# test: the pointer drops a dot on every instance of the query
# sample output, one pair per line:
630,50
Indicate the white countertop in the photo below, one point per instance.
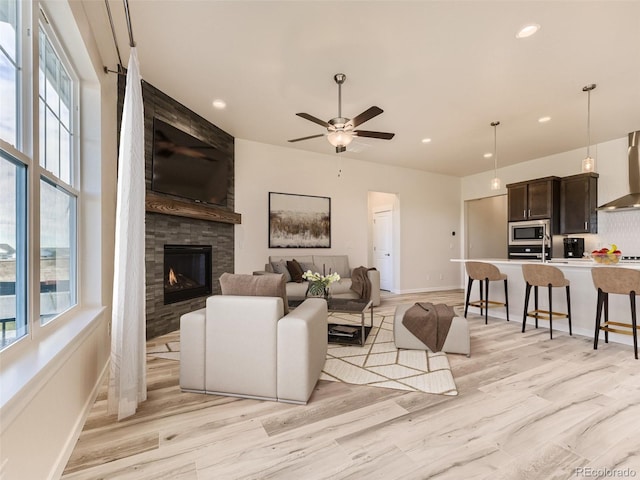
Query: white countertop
556,262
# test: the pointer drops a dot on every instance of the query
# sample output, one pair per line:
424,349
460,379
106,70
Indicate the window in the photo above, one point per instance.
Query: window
57,200
38,270
55,112
9,71
13,251
57,250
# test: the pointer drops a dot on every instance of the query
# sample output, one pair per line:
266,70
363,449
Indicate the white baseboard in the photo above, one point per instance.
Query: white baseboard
429,289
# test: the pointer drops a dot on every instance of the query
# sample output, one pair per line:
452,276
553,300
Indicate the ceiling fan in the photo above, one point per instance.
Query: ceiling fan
340,130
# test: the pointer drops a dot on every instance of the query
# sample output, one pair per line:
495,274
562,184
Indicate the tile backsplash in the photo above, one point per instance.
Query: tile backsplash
621,228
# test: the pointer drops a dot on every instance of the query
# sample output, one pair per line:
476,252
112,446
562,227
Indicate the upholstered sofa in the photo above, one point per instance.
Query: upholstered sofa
246,346
323,264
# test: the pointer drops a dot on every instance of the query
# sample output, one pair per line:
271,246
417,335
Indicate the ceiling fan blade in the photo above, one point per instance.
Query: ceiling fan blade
366,115
380,135
306,138
313,119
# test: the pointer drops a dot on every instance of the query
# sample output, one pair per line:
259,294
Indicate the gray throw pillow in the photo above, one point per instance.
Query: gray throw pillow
310,266
280,266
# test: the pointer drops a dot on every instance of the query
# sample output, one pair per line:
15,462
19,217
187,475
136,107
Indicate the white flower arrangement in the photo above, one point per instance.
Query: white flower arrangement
319,283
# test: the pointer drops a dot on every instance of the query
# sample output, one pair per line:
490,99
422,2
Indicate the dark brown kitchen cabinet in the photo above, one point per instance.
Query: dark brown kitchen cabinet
578,204
534,199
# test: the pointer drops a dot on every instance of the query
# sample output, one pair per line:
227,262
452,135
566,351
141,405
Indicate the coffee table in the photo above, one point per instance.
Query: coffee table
346,305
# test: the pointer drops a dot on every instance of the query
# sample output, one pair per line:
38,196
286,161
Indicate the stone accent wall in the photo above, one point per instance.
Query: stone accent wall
168,229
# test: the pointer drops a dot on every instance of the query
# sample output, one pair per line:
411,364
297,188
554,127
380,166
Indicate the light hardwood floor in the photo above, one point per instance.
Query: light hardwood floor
528,408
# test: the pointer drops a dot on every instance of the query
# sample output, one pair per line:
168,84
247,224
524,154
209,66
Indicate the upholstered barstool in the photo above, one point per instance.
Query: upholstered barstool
622,281
485,272
544,276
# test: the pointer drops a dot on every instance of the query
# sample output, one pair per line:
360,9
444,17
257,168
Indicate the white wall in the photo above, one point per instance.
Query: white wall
430,207
622,228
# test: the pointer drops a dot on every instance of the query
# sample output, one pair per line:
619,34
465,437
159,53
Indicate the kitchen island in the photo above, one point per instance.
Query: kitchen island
584,296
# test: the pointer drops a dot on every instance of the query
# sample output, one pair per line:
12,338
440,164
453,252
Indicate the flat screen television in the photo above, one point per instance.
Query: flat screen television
187,167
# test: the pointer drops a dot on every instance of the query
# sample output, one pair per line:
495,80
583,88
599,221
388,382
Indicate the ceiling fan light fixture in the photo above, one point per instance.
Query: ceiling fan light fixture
340,138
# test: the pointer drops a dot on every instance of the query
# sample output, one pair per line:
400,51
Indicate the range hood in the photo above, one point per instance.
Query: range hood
631,201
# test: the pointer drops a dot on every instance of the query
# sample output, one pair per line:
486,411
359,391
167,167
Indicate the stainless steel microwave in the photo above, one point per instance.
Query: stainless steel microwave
530,232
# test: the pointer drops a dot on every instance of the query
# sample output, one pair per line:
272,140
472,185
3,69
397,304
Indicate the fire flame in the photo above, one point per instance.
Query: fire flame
172,277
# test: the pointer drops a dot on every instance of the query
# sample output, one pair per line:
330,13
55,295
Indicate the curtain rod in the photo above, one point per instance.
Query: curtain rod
126,11
132,44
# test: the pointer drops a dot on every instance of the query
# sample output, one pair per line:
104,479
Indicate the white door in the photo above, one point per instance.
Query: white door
382,247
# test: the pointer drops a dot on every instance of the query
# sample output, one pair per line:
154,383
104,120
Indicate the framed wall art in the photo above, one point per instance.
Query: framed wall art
299,221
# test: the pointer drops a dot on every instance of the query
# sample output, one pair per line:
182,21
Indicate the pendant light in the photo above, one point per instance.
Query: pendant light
495,182
588,164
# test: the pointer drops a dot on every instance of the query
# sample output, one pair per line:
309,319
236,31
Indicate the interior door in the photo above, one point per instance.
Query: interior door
382,247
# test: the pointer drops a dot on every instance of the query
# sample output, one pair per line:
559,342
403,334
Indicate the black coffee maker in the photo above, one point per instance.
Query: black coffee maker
573,247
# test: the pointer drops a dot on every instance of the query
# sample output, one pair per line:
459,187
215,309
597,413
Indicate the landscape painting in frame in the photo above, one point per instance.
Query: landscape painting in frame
299,221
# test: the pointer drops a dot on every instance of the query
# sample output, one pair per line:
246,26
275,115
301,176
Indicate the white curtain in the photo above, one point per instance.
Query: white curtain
127,380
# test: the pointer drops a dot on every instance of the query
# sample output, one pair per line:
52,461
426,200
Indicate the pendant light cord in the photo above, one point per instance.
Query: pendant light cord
588,122
495,148
588,89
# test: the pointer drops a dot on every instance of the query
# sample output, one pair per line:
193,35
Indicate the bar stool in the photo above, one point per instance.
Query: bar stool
544,276
616,280
486,272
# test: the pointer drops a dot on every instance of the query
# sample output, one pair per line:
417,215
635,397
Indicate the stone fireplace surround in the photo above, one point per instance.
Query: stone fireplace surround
164,229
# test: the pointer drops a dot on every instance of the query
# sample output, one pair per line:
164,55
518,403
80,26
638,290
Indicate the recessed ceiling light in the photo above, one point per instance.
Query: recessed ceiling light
528,30
426,140
219,104
488,155
544,119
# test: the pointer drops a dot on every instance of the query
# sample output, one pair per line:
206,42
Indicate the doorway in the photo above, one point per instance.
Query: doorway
486,227
383,250
383,247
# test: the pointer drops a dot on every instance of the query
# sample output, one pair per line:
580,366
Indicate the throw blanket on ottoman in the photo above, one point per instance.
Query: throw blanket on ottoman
429,323
360,282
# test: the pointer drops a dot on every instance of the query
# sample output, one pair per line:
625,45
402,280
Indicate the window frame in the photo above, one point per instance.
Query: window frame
39,172
32,18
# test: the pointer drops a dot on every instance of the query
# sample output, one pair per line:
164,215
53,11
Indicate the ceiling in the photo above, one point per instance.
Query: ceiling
442,70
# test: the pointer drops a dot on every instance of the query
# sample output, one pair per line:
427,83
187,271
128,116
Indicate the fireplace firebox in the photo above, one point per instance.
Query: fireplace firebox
187,272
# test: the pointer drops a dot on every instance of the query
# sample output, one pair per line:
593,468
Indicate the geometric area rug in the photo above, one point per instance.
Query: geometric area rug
380,364
377,364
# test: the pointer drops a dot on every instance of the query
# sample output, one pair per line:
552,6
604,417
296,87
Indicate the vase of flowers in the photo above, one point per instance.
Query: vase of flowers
319,284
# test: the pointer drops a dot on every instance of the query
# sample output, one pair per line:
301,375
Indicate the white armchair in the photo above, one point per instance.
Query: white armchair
245,346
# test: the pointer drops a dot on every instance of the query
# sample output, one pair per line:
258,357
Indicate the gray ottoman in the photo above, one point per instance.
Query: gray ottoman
457,340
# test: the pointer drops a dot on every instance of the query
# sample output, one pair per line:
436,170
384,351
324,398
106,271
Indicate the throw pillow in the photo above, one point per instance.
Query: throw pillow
280,266
295,270
269,285
310,266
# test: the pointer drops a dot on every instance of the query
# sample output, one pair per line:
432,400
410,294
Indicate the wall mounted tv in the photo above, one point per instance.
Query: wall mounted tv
187,167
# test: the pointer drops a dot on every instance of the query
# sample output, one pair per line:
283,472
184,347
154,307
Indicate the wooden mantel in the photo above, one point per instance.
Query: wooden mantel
182,208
